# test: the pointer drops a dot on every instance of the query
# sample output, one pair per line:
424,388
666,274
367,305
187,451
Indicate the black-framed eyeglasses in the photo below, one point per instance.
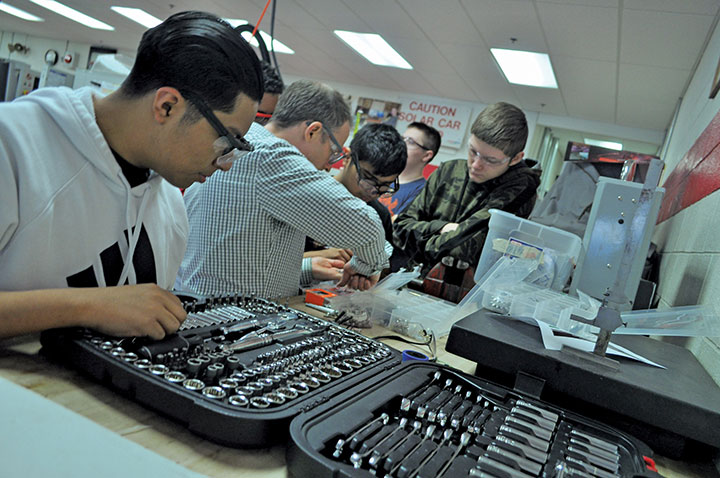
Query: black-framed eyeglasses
228,146
338,152
489,160
370,183
411,142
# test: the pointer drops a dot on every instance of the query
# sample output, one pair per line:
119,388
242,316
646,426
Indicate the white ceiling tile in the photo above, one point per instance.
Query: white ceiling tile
331,14
592,3
171,7
501,20
450,86
663,39
706,7
448,41
247,9
652,117
479,70
380,77
421,53
544,100
442,20
411,81
588,87
288,13
295,65
386,18
368,74
580,31
339,74
324,42
647,95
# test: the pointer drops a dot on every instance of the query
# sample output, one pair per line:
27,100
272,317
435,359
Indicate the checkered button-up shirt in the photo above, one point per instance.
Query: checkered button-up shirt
248,225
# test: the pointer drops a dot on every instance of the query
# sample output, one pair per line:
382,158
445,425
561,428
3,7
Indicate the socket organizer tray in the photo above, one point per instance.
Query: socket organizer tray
248,372
236,372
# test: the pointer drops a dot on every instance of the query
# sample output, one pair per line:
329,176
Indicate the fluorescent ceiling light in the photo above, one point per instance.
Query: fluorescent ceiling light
138,15
19,13
604,144
73,14
278,46
525,67
374,48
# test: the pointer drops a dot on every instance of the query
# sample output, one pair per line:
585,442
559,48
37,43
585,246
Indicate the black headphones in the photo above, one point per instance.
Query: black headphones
264,53
261,43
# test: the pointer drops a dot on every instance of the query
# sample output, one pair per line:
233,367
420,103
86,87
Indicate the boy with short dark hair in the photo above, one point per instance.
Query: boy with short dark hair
92,224
377,157
423,142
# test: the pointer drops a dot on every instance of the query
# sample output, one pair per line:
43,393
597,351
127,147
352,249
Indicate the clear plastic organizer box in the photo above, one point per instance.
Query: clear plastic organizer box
510,235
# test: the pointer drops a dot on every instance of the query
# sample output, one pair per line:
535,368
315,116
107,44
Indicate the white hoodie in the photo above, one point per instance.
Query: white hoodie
66,207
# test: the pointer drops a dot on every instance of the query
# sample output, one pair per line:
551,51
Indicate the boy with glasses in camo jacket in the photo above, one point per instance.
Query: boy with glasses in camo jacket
448,220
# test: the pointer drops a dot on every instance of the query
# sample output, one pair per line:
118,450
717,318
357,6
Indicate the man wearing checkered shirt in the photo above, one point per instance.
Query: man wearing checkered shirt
248,225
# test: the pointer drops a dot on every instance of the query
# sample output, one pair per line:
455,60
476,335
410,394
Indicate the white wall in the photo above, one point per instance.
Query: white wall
38,46
690,268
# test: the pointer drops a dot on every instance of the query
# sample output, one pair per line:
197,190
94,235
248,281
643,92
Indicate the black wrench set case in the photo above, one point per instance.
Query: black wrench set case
675,409
248,372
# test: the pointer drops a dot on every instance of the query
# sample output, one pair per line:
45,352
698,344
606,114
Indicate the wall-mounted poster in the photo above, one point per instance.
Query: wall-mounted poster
370,110
451,119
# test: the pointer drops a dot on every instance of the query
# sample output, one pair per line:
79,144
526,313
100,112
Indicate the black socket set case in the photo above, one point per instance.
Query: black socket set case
248,372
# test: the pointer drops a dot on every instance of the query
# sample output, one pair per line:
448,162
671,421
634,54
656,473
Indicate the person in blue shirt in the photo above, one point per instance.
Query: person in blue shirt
423,143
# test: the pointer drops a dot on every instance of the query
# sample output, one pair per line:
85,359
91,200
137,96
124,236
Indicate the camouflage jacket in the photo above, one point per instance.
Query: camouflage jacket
449,196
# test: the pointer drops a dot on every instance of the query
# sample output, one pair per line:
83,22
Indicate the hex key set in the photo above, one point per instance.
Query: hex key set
424,421
236,372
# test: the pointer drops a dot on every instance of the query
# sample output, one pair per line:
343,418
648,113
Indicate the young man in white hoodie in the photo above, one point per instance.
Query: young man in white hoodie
90,205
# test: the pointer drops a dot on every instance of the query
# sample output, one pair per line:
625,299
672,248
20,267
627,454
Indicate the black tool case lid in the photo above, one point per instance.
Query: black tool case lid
216,420
313,432
674,410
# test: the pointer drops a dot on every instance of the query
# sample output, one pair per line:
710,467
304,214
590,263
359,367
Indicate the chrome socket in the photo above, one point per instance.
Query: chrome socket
238,400
194,384
175,376
214,393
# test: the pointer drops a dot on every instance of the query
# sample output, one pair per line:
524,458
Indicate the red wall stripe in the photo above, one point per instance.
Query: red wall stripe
696,175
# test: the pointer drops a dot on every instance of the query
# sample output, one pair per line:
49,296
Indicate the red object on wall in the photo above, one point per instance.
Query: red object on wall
696,175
